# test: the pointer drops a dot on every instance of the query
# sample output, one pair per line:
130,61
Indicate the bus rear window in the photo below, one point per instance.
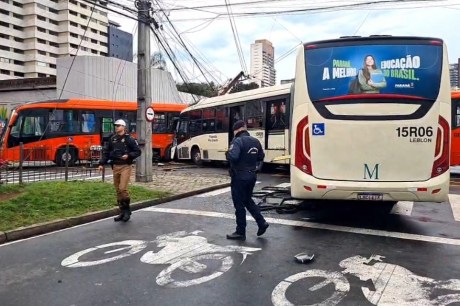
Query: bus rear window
402,69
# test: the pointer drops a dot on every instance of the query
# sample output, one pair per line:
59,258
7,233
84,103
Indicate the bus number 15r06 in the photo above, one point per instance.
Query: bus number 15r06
414,131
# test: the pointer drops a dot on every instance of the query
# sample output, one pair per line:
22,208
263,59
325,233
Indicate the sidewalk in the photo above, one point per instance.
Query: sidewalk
180,179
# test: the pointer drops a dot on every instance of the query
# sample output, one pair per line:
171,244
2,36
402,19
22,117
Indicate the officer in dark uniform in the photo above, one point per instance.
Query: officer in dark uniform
245,154
120,152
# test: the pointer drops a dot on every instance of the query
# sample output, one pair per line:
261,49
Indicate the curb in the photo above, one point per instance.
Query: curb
48,227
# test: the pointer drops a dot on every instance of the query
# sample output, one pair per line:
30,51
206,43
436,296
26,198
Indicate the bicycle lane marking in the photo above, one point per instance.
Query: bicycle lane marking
180,250
337,228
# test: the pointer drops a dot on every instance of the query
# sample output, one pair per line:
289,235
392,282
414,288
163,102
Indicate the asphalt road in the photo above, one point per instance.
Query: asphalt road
177,254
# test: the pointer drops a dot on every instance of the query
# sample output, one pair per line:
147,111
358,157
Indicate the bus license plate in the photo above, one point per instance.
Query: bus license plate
370,196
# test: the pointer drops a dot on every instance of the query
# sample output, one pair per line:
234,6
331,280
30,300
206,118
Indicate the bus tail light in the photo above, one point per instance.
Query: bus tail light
302,147
441,154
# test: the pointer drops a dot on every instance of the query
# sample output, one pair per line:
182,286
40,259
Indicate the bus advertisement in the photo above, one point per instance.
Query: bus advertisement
45,128
371,120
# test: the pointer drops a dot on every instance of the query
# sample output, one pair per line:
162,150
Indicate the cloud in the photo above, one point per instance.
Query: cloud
215,42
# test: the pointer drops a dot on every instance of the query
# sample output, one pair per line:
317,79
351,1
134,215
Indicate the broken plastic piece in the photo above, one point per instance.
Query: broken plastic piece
304,257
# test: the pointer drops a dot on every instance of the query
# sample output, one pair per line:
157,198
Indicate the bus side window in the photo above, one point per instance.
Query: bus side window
195,123
173,119
15,129
33,126
63,122
222,119
276,115
88,122
254,115
183,127
159,124
457,113
107,125
209,120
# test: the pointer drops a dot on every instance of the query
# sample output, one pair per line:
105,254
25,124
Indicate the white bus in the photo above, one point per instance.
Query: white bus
371,120
204,130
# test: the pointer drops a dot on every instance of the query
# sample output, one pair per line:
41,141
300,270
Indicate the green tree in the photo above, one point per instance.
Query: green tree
200,89
242,87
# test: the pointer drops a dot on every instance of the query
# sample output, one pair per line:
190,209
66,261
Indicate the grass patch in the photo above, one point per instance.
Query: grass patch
46,201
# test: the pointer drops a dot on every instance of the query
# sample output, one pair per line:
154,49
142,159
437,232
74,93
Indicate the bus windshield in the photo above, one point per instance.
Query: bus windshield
407,68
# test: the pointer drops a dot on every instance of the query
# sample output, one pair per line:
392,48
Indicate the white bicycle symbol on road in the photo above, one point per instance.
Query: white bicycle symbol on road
392,284
181,250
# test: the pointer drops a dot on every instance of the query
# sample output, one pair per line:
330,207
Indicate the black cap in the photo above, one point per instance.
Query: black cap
238,125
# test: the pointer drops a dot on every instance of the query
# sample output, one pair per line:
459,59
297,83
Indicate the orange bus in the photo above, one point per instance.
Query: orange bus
455,138
45,127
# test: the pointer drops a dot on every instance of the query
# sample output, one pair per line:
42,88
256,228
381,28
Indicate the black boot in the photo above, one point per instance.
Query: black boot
120,216
126,210
236,236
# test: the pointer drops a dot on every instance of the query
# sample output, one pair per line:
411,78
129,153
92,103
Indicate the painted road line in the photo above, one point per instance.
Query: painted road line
403,208
454,200
217,192
284,185
337,228
214,193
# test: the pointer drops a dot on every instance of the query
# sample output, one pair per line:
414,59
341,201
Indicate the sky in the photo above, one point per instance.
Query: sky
209,37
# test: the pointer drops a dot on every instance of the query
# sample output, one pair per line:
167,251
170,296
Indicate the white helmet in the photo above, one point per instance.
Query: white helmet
120,122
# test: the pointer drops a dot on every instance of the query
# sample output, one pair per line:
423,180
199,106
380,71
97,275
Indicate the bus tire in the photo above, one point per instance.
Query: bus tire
61,157
168,154
196,156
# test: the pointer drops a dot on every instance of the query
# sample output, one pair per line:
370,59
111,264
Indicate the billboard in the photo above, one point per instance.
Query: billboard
413,70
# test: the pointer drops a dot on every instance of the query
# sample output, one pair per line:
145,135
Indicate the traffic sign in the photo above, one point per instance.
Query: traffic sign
149,114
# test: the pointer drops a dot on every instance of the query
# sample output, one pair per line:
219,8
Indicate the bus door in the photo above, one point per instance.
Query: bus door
276,128
107,129
236,113
455,139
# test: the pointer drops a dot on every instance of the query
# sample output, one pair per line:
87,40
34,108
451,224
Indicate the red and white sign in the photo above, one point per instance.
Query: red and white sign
149,114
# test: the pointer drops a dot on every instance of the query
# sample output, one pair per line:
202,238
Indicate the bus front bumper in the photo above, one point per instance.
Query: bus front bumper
304,186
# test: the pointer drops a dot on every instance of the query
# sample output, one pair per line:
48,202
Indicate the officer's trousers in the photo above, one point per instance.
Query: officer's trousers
121,176
242,200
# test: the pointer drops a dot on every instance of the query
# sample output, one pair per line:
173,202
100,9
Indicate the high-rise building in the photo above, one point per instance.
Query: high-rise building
120,42
263,63
453,69
33,33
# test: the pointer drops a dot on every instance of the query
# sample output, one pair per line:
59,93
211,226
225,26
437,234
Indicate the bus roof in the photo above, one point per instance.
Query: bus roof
98,104
363,39
241,96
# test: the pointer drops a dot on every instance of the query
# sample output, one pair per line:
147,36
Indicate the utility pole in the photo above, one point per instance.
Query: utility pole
144,96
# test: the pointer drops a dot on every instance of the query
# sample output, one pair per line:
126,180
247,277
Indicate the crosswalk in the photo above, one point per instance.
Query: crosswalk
30,176
403,208
454,200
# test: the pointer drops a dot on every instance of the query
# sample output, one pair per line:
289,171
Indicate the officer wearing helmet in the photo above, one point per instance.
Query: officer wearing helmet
120,152
245,156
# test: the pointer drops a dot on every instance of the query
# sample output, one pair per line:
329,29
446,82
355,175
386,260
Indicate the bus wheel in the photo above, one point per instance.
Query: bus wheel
196,156
61,157
168,154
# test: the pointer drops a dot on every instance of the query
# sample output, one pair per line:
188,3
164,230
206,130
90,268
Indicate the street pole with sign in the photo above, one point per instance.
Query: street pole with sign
143,127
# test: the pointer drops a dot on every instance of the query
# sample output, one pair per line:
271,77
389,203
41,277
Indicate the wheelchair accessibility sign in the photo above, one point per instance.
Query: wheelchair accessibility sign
318,129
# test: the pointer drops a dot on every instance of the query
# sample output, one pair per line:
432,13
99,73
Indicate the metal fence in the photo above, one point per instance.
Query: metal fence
34,165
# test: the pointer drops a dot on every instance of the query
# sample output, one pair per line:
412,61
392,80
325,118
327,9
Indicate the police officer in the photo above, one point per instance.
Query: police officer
120,152
245,154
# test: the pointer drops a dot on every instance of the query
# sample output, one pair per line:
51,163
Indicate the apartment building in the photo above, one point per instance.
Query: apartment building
453,70
263,63
34,33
